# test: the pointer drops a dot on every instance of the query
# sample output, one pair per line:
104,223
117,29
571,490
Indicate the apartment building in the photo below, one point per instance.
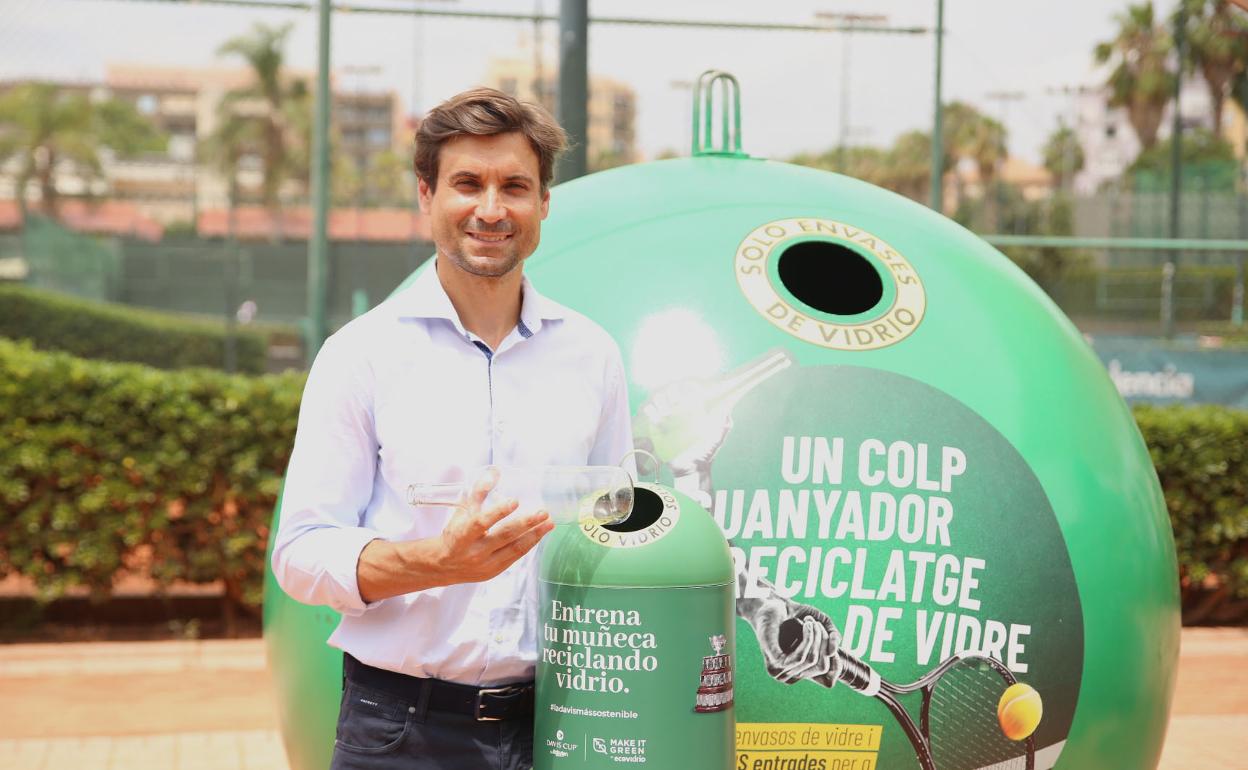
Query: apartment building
612,129
175,185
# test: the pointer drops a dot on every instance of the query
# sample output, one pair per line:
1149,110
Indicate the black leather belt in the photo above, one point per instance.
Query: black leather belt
485,704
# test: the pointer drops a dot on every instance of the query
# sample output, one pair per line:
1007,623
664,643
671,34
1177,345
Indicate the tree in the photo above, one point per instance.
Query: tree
391,179
347,181
1203,155
1239,92
977,137
1217,45
44,127
1048,266
861,162
270,118
1063,154
972,135
1141,81
908,165
902,168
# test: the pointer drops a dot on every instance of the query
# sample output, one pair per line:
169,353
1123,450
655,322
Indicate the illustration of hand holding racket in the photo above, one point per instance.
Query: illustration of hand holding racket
798,641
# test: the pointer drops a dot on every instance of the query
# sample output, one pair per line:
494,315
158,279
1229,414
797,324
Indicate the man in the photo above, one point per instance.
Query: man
468,367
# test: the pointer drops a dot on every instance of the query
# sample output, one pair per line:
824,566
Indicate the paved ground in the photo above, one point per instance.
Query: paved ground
209,706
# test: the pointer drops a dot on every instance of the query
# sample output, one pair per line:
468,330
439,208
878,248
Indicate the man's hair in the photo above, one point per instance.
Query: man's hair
487,112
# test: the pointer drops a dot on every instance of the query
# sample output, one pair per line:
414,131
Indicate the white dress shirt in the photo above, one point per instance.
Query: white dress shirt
403,395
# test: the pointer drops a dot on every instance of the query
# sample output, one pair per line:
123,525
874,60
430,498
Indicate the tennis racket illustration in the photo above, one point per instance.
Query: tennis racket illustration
963,716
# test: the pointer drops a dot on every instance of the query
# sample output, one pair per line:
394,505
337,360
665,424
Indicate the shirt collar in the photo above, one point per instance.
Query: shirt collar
426,298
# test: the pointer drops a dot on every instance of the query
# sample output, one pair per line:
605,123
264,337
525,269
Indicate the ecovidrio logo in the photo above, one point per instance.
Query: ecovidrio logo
829,283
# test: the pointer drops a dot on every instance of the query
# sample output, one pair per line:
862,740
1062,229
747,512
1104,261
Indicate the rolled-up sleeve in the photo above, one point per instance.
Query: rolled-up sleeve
329,483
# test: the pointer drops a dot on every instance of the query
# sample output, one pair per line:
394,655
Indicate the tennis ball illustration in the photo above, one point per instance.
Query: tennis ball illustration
1019,711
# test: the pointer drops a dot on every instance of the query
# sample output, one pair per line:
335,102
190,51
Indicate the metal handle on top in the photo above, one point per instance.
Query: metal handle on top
730,114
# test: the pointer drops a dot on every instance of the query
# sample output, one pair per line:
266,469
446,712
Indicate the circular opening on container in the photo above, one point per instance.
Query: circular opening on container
830,277
647,508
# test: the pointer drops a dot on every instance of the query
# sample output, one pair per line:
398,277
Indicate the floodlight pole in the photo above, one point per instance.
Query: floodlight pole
936,198
574,86
1176,172
853,19
318,240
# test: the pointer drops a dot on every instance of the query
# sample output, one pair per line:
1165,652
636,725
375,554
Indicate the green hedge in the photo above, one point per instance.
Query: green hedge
1201,456
106,465
118,333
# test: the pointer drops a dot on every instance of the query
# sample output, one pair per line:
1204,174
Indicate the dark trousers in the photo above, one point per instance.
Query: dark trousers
378,731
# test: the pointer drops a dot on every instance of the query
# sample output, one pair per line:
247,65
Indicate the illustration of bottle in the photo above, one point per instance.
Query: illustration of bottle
685,413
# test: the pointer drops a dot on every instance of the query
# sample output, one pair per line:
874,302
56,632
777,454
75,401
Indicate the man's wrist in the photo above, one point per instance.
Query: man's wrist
388,568
424,561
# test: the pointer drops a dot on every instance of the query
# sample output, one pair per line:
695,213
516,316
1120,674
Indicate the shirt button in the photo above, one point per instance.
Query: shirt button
500,638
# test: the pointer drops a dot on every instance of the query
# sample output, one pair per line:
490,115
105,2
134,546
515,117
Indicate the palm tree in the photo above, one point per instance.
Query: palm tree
225,147
270,117
1239,90
1141,81
973,135
861,162
908,165
45,127
1063,155
1217,38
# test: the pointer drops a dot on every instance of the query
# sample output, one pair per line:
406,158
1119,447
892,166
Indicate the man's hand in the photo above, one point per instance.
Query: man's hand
477,543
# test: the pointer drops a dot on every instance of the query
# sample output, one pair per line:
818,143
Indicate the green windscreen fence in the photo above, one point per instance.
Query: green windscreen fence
216,277
209,277
1109,288
64,261
1133,295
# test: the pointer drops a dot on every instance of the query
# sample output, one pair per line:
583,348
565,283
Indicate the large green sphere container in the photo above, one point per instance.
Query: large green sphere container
899,434
635,649
915,442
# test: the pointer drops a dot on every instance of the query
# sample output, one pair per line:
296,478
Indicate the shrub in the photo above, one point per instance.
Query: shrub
119,333
110,465
1201,456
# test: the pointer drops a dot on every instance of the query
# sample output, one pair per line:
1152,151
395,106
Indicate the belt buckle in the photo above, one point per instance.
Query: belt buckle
490,691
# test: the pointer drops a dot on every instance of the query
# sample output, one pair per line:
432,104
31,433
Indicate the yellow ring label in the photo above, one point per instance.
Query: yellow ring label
662,526
886,327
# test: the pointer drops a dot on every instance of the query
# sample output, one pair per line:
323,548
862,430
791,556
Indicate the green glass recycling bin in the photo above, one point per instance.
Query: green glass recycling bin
902,437
635,658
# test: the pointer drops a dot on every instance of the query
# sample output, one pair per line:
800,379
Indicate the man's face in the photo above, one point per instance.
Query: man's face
487,209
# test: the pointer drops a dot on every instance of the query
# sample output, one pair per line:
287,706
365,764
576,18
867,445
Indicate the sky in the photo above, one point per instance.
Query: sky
792,82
